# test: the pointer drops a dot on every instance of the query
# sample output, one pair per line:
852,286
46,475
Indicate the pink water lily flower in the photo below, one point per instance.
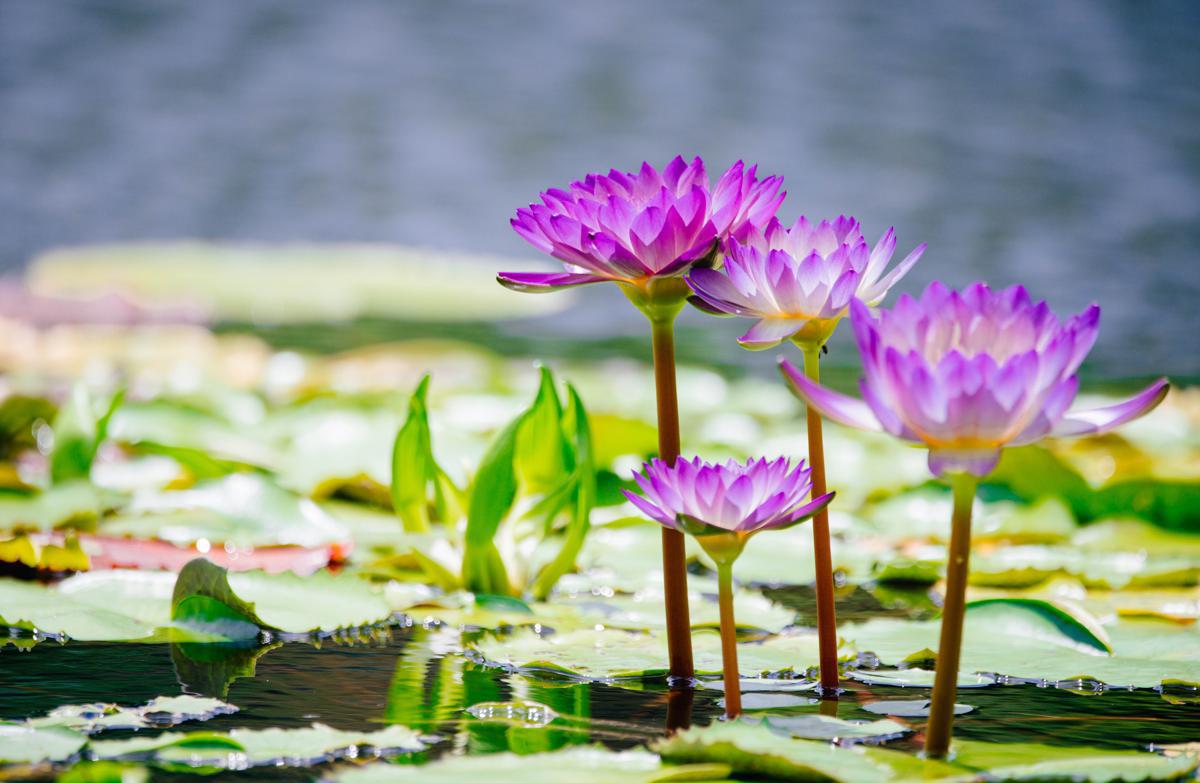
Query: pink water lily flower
968,373
798,282
710,500
632,227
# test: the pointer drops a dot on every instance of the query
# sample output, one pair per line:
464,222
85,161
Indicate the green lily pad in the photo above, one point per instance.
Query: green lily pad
909,708
590,654
331,446
341,282
1033,762
579,765
34,607
925,514
159,712
209,600
204,603
24,744
242,510
242,748
646,610
70,504
186,434
826,727
915,678
1145,653
1046,620
755,749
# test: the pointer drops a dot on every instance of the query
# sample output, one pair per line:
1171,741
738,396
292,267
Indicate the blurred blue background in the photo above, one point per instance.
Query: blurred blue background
1054,144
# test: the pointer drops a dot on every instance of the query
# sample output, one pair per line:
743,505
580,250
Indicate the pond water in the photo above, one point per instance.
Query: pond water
401,676
1047,143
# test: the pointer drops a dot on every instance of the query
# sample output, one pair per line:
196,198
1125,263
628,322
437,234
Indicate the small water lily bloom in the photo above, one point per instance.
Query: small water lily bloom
799,281
632,228
722,506
968,373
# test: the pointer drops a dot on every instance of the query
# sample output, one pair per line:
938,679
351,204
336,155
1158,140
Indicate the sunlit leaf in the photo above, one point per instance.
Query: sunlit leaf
79,429
416,487
241,748
579,765
24,744
591,654
755,749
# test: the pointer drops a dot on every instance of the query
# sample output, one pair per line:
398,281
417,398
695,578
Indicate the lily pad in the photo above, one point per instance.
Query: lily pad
188,435
242,748
826,727
48,610
242,510
159,712
579,765
1145,654
1033,762
925,514
73,503
342,282
590,654
21,743
909,708
209,600
755,749
915,678
645,609
204,603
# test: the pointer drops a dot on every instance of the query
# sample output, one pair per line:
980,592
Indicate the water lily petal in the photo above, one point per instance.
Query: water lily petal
832,405
977,462
770,332
541,282
1097,420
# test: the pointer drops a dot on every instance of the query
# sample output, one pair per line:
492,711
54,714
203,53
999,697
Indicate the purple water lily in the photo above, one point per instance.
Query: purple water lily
631,227
722,506
968,373
707,499
798,282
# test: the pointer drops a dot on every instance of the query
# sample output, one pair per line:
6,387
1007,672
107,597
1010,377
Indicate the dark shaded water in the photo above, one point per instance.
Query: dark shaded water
400,678
1050,143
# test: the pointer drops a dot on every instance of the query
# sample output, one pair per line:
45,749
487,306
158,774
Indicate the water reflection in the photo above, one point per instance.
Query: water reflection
408,677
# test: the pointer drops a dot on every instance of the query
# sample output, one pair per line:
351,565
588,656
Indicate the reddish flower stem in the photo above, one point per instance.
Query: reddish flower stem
679,627
826,613
945,682
729,661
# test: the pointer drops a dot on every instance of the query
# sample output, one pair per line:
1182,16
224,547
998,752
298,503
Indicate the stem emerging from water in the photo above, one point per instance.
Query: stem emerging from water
733,689
679,626
826,613
945,684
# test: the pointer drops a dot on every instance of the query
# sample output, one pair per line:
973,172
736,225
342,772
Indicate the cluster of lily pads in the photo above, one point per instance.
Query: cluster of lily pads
276,486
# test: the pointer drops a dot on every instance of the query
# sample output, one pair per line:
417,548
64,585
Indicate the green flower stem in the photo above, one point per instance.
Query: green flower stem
729,661
679,626
826,613
945,684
